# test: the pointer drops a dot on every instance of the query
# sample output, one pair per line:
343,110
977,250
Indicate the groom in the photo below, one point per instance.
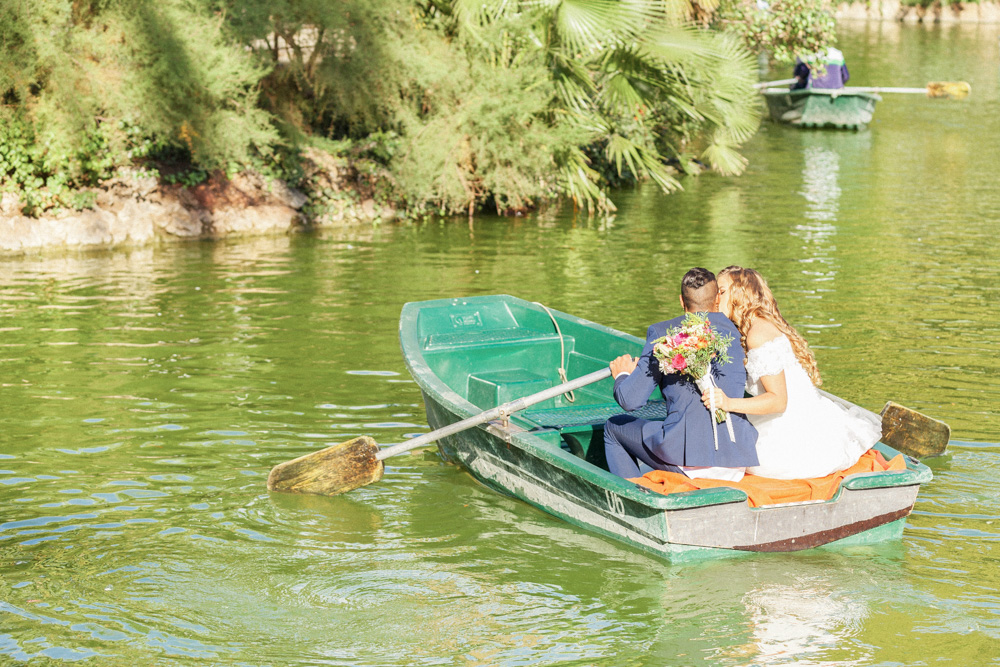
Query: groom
683,441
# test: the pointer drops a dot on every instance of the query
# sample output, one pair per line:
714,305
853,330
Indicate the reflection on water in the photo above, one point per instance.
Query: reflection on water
795,623
819,185
818,228
145,395
809,619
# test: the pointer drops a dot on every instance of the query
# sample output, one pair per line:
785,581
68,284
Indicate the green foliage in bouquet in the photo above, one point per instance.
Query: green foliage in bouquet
691,347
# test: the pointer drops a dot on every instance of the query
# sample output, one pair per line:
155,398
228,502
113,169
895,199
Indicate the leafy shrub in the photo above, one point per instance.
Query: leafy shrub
447,106
783,29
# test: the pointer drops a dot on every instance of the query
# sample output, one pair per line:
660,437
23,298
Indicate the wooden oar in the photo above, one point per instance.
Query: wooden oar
355,463
956,90
913,433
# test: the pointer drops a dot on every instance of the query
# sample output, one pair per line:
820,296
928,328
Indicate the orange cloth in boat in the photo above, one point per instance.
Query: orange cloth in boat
767,491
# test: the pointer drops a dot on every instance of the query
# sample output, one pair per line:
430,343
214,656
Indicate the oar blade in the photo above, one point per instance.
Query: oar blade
913,433
337,469
956,90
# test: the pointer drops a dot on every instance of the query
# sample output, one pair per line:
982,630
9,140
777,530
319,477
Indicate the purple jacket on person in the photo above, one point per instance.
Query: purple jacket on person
835,76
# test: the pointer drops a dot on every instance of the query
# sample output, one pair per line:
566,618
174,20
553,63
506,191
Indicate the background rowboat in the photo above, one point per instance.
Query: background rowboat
841,109
475,353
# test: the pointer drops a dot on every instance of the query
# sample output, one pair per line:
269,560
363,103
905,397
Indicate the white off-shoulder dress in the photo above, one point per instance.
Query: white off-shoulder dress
814,436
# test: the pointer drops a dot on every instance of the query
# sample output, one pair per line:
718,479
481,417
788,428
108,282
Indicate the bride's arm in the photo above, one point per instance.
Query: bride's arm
773,399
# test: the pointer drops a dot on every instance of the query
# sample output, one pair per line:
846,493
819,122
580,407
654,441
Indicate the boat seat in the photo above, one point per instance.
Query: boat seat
581,415
489,389
485,337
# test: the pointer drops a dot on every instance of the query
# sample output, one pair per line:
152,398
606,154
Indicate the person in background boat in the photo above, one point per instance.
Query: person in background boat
834,70
801,432
682,442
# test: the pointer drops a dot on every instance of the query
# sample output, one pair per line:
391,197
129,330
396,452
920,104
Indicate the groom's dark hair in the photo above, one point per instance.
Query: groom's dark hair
699,289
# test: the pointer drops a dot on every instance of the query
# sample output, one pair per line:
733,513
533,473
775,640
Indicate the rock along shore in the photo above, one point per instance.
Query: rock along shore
893,10
136,211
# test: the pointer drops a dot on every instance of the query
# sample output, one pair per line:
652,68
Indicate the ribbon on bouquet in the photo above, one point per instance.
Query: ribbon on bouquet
706,383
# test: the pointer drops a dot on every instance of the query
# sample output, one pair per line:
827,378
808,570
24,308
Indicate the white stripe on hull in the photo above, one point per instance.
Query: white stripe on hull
535,491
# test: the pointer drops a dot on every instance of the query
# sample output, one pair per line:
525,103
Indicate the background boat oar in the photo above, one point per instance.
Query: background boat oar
956,90
912,433
774,84
358,462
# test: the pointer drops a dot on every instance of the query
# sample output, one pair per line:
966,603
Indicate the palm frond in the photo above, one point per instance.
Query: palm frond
619,96
580,183
482,12
619,148
722,156
575,72
641,161
676,44
658,171
732,102
587,26
629,80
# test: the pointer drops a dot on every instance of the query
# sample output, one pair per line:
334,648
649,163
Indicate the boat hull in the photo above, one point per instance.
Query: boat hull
546,467
493,456
816,108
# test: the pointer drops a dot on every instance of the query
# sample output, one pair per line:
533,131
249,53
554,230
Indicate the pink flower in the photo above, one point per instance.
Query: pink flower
679,362
679,338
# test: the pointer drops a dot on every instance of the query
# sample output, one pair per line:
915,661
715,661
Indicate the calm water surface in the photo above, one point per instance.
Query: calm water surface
144,396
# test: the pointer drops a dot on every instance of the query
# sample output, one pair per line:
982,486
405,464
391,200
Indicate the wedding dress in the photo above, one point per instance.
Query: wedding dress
814,436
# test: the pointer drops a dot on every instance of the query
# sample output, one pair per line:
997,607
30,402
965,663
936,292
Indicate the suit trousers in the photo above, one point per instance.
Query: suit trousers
624,448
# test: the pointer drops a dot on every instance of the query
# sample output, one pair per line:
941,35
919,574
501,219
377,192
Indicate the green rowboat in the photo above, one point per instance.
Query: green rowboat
471,354
814,107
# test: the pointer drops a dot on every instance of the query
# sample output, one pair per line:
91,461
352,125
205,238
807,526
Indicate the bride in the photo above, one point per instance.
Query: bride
801,432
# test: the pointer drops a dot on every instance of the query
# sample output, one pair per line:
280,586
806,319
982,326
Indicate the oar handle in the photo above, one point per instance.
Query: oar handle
886,89
500,411
848,90
771,84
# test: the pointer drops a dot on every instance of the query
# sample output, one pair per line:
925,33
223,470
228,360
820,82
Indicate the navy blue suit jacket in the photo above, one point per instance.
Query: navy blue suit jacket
685,436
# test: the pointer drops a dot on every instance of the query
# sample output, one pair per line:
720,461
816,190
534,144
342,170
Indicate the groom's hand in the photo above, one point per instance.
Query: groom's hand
623,364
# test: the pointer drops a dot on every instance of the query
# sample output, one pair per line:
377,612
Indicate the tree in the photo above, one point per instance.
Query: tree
508,103
781,29
627,78
94,84
457,104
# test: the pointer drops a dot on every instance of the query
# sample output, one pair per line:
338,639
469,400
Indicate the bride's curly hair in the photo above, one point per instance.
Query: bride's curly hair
750,298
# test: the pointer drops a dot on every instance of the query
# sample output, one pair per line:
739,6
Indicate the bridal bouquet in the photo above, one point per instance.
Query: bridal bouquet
689,349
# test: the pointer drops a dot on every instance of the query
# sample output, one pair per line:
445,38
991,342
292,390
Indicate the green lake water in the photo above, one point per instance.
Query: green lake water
145,394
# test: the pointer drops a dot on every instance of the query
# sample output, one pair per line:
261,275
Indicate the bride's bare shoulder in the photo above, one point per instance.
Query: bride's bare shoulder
761,331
